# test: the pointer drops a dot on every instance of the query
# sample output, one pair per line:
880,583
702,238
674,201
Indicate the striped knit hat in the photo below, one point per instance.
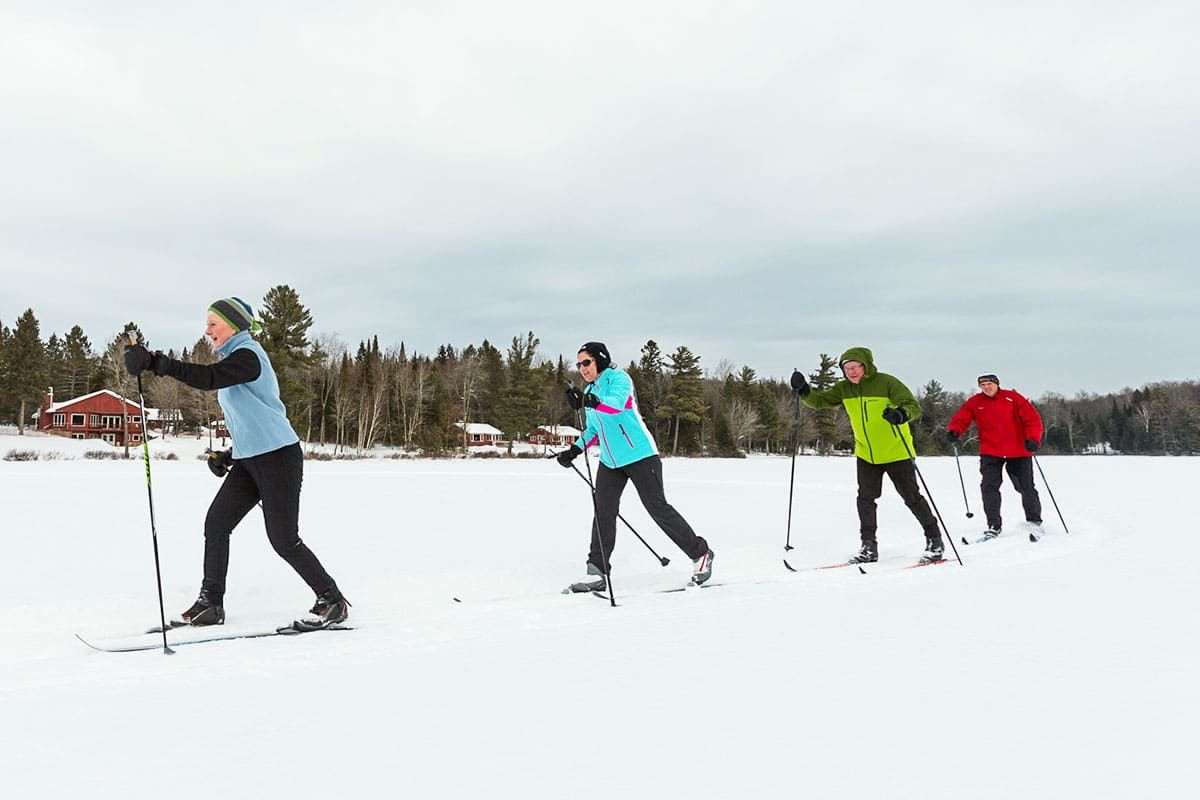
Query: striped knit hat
237,312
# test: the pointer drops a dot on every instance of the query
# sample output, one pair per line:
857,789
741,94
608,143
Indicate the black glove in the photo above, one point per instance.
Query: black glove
799,383
137,359
574,398
896,416
567,456
219,462
1032,445
953,435
590,400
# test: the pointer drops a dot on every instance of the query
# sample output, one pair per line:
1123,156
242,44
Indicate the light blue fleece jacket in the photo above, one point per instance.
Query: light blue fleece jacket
254,414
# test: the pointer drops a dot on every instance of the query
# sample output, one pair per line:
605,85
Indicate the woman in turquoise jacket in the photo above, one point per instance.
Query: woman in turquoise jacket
627,453
880,408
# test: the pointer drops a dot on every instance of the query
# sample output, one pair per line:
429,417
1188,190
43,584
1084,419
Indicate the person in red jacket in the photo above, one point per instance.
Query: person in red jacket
1010,430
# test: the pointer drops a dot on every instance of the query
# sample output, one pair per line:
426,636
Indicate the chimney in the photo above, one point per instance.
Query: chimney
43,417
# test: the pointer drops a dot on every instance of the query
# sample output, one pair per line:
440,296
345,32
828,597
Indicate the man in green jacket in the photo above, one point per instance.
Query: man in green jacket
880,408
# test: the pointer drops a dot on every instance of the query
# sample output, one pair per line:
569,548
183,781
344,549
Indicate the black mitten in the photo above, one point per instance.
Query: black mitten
220,462
567,456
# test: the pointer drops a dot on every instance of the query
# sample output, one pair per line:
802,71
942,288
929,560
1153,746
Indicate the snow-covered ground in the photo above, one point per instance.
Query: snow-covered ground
1065,668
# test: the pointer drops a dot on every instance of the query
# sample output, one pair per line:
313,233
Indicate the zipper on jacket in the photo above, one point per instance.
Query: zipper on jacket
862,408
626,435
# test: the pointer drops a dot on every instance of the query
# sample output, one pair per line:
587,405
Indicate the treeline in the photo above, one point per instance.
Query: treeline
355,398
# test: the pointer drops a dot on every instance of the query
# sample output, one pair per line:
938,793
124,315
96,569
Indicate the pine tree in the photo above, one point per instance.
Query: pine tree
79,363
830,429
492,382
5,373
55,364
28,369
935,415
285,324
520,408
650,384
684,403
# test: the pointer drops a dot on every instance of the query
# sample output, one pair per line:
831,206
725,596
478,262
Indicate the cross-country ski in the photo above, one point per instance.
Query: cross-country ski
198,636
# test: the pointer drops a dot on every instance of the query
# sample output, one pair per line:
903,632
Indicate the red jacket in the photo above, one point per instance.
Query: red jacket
1004,422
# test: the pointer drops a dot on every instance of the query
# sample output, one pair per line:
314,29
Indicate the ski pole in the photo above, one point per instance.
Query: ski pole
661,559
961,483
612,595
162,614
1052,500
928,494
787,543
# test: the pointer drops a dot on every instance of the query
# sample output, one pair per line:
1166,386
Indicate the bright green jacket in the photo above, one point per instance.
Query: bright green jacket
875,439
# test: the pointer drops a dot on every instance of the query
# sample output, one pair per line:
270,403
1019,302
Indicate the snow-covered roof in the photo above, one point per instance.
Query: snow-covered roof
559,430
481,427
151,413
90,395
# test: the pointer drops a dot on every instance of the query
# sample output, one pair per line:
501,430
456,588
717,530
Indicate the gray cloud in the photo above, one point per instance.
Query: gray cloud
960,189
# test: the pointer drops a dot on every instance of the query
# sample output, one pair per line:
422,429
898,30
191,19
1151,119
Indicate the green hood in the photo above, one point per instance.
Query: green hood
861,355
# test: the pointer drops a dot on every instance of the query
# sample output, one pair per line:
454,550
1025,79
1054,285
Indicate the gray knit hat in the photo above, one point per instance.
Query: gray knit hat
237,312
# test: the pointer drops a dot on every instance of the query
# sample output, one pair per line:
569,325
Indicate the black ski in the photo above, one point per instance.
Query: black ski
285,630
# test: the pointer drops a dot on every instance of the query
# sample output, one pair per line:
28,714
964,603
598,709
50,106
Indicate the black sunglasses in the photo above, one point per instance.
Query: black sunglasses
587,362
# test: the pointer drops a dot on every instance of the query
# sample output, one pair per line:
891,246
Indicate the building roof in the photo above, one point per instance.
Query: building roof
151,413
480,427
559,430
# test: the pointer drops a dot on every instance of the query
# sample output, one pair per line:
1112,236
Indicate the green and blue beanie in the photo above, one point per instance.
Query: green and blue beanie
237,312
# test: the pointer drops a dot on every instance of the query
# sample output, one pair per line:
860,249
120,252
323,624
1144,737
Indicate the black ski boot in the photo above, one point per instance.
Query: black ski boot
207,610
867,554
934,550
330,609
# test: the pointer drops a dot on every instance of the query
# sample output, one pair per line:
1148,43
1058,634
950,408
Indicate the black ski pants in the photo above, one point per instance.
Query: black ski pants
647,479
274,478
1020,472
904,478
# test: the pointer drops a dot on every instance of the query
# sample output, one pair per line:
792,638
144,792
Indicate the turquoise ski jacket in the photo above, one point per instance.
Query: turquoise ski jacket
616,424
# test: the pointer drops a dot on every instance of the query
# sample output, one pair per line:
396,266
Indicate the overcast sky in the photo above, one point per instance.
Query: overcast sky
962,187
